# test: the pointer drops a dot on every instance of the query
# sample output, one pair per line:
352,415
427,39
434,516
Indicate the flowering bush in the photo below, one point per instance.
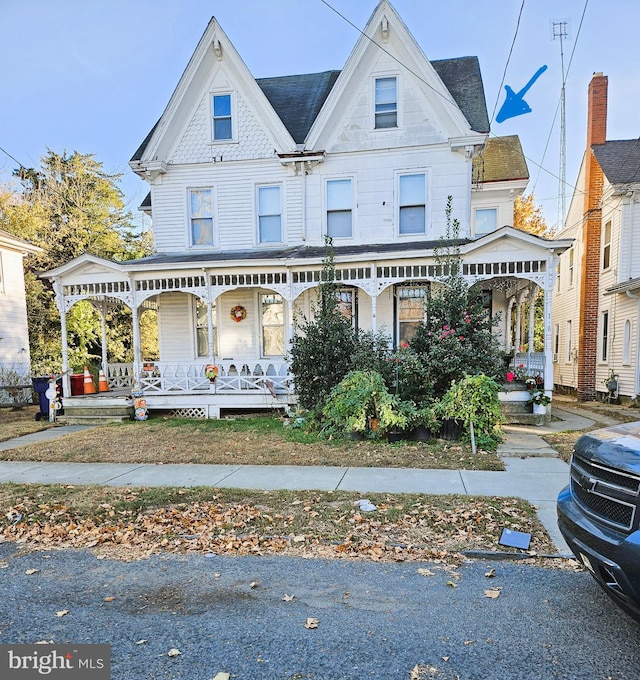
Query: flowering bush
539,397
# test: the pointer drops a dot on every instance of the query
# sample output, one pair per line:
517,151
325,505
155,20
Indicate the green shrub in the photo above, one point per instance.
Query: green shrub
474,399
361,398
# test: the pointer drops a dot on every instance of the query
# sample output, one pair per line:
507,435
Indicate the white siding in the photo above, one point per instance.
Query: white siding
176,327
14,334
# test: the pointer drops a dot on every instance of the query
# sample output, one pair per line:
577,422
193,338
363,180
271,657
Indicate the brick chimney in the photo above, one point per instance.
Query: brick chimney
591,232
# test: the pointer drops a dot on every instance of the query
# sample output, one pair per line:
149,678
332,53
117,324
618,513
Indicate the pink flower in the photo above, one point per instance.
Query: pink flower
404,344
510,376
461,337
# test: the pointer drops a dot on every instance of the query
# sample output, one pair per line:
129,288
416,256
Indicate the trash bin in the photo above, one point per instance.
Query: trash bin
77,383
40,386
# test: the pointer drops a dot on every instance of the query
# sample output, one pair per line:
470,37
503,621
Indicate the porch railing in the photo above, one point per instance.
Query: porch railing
161,377
532,362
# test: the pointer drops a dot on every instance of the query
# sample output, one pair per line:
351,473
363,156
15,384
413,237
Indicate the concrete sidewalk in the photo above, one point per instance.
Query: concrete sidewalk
533,472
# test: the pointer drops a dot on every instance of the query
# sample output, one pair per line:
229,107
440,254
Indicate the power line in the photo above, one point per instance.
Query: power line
449,99
506,66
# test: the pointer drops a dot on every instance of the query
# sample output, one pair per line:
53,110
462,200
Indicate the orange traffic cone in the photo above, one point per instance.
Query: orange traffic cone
89,387
103,385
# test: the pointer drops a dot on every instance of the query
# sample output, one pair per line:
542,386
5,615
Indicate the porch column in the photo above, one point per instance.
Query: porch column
548,354
518,324
104,335
136,341
508,338
532,305
374,317
210,330
60,301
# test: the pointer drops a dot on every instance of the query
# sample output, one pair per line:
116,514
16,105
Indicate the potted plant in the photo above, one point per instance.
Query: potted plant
424,424
539,401
361,399
211,372
474,399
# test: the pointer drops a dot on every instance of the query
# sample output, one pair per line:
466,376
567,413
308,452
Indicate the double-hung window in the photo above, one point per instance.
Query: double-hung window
486,221
347,304
272,322
339,208
606,246
201,217
412,203
269,215
410,302
386,103
222,122
202,328
604,338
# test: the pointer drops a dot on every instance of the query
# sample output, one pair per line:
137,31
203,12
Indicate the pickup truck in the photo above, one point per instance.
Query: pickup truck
599,511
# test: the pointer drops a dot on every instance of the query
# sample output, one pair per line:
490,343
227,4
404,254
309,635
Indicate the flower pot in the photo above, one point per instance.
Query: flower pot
451,429
396,436
421,434
540,409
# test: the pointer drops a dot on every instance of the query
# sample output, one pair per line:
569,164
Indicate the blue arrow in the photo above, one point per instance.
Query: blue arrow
514,104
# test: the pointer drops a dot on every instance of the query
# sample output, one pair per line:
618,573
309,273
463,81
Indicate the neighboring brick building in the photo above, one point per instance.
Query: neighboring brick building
595,307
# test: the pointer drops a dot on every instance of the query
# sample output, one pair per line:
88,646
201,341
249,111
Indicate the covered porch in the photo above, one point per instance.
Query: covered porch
239,315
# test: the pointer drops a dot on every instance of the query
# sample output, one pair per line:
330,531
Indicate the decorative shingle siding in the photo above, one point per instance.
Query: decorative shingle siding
196,147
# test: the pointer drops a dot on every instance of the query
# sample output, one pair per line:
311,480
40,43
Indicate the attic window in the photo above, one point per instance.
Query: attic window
222,129
386,103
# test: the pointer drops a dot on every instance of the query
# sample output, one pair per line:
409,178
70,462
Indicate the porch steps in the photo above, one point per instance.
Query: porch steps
110,411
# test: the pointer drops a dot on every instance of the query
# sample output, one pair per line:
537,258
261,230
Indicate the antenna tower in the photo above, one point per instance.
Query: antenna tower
560,32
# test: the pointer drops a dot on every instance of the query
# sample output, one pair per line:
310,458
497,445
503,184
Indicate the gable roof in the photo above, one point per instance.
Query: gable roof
298,99
619,160
12,242
502,159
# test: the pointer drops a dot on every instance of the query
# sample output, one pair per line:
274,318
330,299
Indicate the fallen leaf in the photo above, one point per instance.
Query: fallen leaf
174,652
221,676
445,658
28,572
140,642
4,565
109,598
451,584
299,539
492,592
62,612
426,572
288,598
311,623
491,573
254,584
468,642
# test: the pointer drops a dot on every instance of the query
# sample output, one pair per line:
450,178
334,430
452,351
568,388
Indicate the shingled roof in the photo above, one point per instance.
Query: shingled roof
619,160
298,99
501,160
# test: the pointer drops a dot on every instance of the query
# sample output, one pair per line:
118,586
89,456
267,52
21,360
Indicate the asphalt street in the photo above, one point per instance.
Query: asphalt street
248,616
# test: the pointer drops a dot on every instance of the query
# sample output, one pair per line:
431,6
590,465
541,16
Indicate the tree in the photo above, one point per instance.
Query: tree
456,338
322,347
68,206
528,217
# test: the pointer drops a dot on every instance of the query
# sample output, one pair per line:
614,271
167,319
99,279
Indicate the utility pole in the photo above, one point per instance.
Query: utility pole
560,32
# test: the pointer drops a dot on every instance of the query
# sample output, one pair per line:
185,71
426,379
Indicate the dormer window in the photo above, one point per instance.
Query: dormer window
221,110
386,103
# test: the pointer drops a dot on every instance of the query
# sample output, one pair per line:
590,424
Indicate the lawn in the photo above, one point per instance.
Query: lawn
15,422
259,440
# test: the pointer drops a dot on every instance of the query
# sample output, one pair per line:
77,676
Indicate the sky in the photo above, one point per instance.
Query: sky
94,76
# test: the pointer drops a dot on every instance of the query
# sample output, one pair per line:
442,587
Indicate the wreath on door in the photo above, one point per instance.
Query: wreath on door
238,313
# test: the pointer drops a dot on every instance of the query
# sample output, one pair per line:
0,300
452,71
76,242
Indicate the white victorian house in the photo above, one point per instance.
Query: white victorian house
248,176
15,362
